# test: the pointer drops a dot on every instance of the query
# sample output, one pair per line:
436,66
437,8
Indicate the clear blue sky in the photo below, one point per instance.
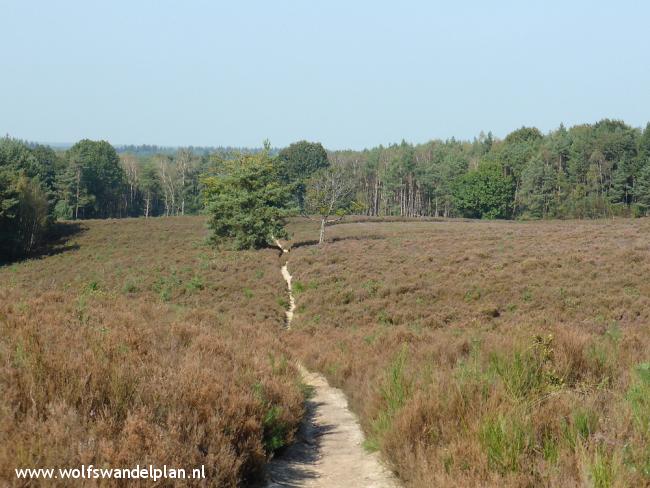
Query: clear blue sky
346,73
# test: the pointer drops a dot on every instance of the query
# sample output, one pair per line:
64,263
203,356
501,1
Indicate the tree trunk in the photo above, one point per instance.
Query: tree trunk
321,238
76,208
376,199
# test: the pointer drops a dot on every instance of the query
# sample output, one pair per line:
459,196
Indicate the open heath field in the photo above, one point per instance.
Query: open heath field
138,344
486,353
474,353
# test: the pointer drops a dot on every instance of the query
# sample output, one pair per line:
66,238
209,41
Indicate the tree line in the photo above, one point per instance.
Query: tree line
586,171
39,185
91,180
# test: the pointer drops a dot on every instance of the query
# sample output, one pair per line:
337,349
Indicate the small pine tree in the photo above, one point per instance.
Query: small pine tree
246,202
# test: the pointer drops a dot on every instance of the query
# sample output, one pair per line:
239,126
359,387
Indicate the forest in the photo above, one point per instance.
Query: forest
586,171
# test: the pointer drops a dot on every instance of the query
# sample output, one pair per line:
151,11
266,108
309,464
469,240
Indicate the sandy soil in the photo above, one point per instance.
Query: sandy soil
329,450
292,301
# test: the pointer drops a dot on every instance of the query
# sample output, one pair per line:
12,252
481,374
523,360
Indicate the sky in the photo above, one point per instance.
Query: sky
350,74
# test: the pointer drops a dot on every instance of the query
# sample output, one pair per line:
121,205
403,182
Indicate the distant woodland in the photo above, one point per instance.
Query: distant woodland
586,171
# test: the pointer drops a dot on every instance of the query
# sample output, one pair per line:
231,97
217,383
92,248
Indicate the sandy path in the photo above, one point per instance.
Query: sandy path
292,301
328,451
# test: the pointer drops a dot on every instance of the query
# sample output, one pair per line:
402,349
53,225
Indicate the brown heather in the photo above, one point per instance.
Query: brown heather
486,353
139,344
474,353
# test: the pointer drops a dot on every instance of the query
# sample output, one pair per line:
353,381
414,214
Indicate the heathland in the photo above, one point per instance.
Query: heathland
487,353
136,343
474,353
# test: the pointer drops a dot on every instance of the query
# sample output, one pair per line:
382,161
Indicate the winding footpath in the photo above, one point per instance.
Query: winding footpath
328,451
292,301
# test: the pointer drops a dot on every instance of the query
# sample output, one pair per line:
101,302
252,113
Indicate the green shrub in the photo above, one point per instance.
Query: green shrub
92,286
530,372
485,192
275,431
165,286
371,286
130,287
550,449
298,287
520,373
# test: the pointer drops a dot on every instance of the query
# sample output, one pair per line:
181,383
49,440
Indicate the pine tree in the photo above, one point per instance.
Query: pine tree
247,203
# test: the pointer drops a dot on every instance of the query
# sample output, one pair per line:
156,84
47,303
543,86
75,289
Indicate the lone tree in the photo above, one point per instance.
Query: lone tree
246,202
329,193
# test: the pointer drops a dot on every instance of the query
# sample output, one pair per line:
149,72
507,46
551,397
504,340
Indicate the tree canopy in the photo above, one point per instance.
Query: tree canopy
246,201
298,162
485,193
24,204
94,179
585,171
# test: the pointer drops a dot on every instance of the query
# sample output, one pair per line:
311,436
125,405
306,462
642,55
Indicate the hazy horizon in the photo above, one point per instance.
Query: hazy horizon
65,145
350,76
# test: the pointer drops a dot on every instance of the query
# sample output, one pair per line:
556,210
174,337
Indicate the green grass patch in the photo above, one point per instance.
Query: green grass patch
602,469
395,390
580,426
194,285
505,440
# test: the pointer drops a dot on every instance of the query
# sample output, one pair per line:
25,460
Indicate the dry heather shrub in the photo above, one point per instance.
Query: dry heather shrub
526,347
182,368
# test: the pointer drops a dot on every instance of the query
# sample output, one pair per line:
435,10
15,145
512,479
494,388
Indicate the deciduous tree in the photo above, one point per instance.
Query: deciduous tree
485,193
298,162
329,193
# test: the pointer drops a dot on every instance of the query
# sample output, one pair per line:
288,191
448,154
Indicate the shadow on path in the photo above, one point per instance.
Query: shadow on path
296,464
